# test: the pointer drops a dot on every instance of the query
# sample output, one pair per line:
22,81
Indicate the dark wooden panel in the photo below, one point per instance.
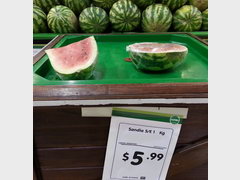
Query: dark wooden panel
64,127
72,157
120,91
189,157
198,173
73,174
34,175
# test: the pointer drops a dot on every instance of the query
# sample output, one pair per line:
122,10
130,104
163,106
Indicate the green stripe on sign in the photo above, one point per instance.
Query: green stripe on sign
155,116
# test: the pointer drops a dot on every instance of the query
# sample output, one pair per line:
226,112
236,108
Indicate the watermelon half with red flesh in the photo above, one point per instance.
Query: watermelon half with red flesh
75,61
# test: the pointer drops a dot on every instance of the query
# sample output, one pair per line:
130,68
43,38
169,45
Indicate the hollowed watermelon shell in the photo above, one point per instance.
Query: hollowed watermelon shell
75,61
157,56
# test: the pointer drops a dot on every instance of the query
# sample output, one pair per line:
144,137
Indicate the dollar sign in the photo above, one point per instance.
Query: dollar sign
125,156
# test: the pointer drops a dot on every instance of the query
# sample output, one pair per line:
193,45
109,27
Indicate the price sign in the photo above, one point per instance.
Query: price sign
140,144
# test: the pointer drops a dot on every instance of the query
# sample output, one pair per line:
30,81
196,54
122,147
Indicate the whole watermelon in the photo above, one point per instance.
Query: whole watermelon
61,19
142,4
187,18
200,4
46,5
205,20
156,18
93,20
124,16
105,4
174,4
39,20
77,5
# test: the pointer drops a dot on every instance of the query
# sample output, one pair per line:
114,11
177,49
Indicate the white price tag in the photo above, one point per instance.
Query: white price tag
140,144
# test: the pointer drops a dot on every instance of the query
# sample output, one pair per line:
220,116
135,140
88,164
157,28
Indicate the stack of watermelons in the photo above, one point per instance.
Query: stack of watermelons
98,16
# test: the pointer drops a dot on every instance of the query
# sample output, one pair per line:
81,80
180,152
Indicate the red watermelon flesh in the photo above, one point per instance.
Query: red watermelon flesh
74,57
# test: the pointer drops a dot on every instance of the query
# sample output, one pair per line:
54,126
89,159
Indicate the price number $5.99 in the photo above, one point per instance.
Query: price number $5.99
138,157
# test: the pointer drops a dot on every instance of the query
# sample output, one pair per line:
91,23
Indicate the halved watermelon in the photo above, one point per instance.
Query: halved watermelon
75,61
150,56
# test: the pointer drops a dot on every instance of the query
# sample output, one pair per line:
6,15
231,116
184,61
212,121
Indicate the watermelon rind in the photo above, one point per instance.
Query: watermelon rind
105,4
61,19
200,4
46,5
187,19
142,4
39,20
124,16
77,6
205,20
174,4
157,61
156,18
79,72
93,20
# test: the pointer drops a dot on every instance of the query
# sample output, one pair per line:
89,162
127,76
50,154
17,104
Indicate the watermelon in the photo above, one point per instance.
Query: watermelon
156,18
61,19
200,4
142,4
205,20
39,20
124,16
149,56
105,4
174,4
77,5
93,20
75,61
187,18
46,5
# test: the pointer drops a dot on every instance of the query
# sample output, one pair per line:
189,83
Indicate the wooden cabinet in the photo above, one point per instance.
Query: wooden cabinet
69,146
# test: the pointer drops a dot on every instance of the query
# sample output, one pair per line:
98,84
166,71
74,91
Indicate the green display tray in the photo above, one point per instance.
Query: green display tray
112,69
50,36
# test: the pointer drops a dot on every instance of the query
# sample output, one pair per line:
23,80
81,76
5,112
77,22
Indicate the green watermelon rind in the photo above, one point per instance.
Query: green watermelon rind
124,16
205,20
77,6
105,4
61,19
200,4
174,4
142,4
46,5
81,73
156,18
93,20
39,20
157,61
187,19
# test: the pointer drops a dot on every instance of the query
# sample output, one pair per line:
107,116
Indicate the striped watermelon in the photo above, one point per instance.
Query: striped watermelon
205,20
61,19
46,5
156,56
200,4
174,4
142,4
77,5
105,4
156,18
39,20
93,20
187,18
124,16
75,61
